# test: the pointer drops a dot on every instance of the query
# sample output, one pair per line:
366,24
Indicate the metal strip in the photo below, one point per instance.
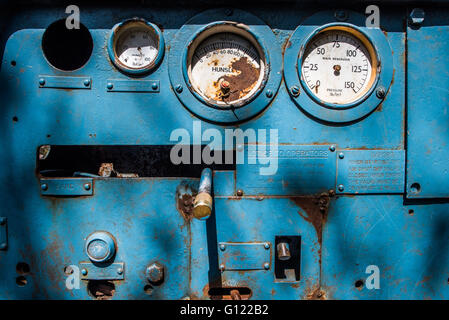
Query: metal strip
114,271
67,187
63,82
133,85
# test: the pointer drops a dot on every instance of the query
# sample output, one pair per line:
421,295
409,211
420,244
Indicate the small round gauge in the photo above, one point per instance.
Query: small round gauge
339,66
136,46
226,66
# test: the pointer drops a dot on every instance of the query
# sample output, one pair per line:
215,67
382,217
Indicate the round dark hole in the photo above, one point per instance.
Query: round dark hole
67,49
411,212
101,289
22,268
415,188
359,284
13,63
21,281
148,289
15,119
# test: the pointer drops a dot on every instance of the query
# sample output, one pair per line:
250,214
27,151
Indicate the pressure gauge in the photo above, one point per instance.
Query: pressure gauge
226,66
339,66
136,46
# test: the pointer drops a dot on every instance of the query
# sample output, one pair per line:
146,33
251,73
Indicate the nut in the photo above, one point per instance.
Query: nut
155,272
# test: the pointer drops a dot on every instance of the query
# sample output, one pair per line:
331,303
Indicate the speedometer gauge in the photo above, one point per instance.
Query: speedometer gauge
339,66
226,66
136,46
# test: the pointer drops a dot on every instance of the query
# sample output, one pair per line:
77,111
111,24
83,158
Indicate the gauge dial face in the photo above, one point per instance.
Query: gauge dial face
137,47
339,67
226,68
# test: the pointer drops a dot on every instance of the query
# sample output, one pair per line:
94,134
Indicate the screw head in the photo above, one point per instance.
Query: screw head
222,247
86,82
380,92
155,272
295,91
84,272
417,16
332,148
110,86
341,187
266,245
269,93
44,187
240,192
87,186
41,81
341,155
178,88
266,266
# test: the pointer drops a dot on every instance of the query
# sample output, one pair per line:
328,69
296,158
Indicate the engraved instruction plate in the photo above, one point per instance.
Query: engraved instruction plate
371,171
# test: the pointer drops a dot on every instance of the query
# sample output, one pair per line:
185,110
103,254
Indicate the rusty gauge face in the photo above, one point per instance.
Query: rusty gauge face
339,66
226,66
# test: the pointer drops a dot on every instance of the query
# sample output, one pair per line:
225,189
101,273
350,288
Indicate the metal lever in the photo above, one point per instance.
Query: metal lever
202,206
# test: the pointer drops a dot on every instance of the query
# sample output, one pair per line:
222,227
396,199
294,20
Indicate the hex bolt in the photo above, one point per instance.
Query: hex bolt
283,251
341,15
120,271
222,247
266,266
332,148
84,272
86,82
417,16
44,187
87,186
155,272
295,91
380,92
239,192
341,155
178,88
269,93
341,187
42,81
110,86
266,245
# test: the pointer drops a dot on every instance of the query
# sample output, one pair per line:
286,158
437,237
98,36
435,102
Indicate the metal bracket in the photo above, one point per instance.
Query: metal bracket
67,187
3,233
114,271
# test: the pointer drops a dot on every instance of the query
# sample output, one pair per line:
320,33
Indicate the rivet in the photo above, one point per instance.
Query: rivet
341,155
41,81
154,86
3,245
266,245
222,267
2,221
294,90
332,148
110,86
86,82
341,187
119,271
240,147
222,247
269,93
178,88
87,186
84,272
341,15
380,92
44,187
240,192
266,266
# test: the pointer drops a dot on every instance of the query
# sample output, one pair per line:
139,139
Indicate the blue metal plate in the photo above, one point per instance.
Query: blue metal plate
114,85
67,187
370,171
113,271
301,170
243,256
64,82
